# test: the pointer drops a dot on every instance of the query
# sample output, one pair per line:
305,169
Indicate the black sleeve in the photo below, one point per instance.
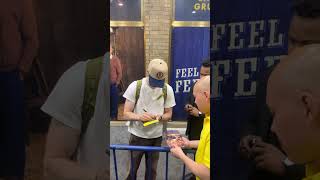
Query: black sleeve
259,121
190,98
295,172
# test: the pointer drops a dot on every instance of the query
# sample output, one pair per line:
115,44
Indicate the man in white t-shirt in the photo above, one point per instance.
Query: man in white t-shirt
153,103
64,106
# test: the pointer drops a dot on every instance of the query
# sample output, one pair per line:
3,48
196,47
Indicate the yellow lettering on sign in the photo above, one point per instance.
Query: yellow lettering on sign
204,7
196,6
201,6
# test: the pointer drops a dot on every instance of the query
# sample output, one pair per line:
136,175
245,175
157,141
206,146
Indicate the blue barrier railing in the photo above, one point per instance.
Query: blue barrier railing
149,150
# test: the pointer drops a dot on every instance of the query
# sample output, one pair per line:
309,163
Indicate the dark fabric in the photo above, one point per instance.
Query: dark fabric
194,124
190,176
137,155
18,35
12,125
114,100
260,125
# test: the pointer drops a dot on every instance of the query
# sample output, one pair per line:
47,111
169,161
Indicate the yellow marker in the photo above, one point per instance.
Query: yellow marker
150,122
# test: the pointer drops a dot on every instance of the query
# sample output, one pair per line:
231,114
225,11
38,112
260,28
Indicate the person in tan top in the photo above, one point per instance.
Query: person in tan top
18,48
115,78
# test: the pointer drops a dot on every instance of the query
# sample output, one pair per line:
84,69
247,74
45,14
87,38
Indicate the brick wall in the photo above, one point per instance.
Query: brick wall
157,21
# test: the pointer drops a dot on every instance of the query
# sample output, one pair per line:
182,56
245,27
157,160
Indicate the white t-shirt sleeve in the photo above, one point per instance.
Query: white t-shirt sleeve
130,93
170,102
65,101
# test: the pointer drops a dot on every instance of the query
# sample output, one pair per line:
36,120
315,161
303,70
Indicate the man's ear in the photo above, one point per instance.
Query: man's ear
207,94
311,107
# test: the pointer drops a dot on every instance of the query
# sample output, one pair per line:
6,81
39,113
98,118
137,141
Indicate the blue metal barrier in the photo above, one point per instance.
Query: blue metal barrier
148,150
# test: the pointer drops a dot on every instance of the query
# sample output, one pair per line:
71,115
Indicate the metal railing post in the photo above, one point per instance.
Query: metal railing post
167,164
115,163
131,168
148,150
149,166
184,172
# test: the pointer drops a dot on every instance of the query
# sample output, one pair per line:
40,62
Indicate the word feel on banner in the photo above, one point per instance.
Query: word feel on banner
239,37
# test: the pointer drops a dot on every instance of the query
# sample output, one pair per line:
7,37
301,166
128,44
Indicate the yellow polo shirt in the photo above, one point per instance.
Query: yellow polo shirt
311,175
203,151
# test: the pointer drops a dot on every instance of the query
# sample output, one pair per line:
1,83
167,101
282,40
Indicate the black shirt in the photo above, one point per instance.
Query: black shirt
195,124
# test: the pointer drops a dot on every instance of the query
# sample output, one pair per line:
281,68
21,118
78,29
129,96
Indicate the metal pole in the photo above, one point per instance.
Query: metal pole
167,163
148,150
115,163
184,172
131,168
149,166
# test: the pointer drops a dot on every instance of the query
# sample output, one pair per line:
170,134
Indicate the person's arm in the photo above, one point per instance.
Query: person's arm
202,170
119,71
197,169
29,37
169,104
64,106
190,98
190,144
129,115
167,115
61,143
193,144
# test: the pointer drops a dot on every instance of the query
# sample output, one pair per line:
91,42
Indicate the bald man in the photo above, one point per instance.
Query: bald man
274,163
201,167
293,96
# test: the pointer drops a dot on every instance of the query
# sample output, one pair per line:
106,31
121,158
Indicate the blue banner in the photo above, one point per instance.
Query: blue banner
247,36
189,47
121,10
192,10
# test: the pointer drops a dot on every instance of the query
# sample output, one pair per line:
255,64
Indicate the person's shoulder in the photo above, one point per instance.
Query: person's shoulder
132,85
74,75
169,88
130,91
79,66
170,92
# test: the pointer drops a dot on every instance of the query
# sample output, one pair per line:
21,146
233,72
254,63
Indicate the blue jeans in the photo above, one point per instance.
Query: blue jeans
12,125
114,100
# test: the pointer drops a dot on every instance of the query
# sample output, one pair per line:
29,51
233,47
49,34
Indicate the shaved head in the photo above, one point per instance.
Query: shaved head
203,84
299,70
293,96
201,92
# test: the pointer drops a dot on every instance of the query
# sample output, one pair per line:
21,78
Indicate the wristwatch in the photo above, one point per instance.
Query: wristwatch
200,113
